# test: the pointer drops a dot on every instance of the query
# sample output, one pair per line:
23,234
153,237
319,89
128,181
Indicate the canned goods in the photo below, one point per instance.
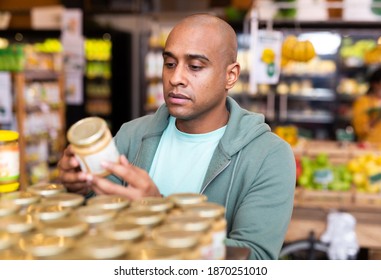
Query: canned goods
22,198
175,238
9,158
17,223
122,230
46,189
149,250
8,207
65,227
146,218
92,143
100,248
67,200
46,212
218,229
155,204
186,199
6,240
112,202
41,245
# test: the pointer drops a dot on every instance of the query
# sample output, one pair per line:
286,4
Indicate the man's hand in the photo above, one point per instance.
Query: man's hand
139,183
70,173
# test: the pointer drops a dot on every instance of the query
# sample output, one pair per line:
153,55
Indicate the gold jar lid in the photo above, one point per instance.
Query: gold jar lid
66,227
22,198
15,253
17,223
6,240
142,217
112,202
185,199
69,200
45,212
42,245
100,247
155,204
189,222
94,215
149,250
206,210
8,207
46,189
86,131
175,238
121,230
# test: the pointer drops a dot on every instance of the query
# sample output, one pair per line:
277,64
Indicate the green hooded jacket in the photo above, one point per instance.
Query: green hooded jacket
252,173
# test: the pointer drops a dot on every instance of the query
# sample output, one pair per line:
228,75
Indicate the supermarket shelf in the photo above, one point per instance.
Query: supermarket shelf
309,117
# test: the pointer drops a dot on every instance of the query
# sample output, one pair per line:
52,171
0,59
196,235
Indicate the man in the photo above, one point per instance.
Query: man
202,141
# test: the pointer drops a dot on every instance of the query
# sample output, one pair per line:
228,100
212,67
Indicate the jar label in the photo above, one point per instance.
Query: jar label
92,163
9,165
219,249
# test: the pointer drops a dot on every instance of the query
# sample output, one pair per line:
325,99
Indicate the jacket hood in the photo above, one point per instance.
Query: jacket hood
243,126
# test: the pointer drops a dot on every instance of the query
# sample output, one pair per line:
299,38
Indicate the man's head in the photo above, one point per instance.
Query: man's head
199,68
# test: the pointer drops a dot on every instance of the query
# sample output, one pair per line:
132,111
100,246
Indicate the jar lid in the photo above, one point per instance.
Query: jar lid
188,221
175,238
22,198
46,189
155,204
6,240
8,135
15,253
112,202
17,223
122,230
66,227
94,215
8,207
184,199
9,187
44,212
100,247
206,210
142,217
149,250
86,131
42,245
65,199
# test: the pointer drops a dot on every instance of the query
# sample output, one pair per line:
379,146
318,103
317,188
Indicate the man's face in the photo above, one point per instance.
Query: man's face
194,74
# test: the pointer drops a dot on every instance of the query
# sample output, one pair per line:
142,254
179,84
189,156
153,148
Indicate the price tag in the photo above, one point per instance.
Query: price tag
323,176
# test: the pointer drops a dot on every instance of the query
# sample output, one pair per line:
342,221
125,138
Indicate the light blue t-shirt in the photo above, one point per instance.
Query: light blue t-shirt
181,159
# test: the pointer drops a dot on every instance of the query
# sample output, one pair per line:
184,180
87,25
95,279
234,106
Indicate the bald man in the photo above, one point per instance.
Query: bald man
202,141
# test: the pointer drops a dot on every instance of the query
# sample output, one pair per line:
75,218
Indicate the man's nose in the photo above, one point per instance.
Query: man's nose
178,76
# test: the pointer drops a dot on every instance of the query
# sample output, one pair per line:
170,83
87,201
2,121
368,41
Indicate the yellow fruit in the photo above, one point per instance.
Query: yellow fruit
303,51
288,46
268,56
354,166
359,179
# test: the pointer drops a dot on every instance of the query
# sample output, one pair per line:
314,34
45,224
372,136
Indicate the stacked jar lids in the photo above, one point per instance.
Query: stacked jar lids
47,222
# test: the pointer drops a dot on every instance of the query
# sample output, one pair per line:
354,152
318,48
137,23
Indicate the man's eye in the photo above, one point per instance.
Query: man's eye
195,67
169,65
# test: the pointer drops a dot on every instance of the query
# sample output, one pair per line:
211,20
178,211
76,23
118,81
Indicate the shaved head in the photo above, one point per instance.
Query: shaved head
211,28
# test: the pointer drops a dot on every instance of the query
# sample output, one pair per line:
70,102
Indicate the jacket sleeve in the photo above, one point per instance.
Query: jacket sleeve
262,218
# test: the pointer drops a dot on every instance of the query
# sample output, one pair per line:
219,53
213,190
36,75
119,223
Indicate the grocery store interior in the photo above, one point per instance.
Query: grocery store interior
304,63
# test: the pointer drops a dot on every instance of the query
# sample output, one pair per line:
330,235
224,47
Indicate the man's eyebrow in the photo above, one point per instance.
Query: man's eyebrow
191,56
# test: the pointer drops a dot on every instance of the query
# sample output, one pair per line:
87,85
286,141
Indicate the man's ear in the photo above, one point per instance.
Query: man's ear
232,73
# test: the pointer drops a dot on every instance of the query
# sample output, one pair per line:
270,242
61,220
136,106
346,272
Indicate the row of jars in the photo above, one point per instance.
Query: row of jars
46,222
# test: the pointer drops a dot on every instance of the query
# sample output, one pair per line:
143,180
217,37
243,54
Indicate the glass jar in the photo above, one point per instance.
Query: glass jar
67,200
46,189
92,143
216,213
186,199
9,160
110,202
155,204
